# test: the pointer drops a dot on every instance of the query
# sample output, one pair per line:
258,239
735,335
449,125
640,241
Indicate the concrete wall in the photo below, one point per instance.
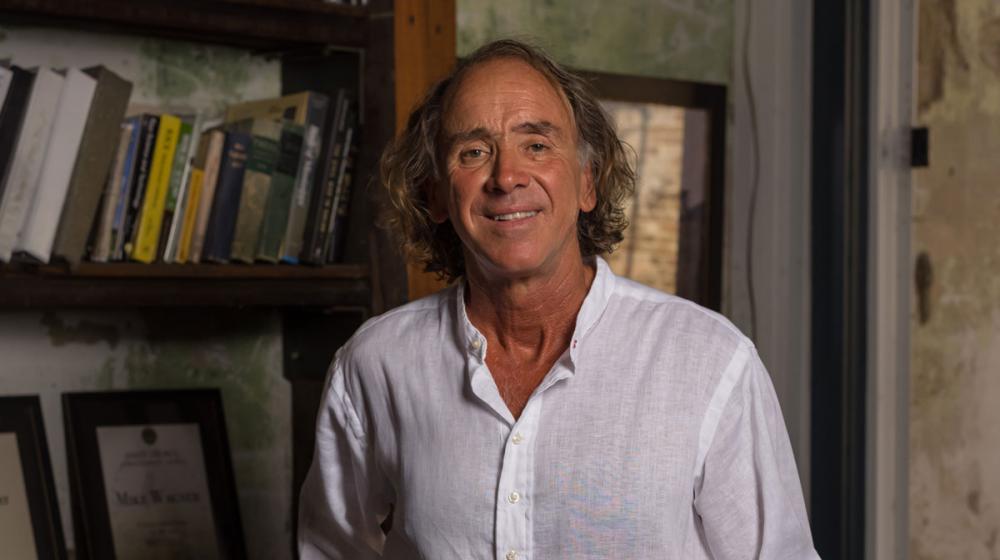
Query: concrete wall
48,353
955,380
679,39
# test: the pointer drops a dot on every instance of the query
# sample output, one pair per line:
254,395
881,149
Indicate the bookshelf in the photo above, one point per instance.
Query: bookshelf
303,33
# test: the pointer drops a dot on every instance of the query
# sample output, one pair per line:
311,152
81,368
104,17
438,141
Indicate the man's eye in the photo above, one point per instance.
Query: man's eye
537,147
474,153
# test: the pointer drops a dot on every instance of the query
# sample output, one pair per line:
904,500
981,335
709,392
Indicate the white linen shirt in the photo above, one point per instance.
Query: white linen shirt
656,435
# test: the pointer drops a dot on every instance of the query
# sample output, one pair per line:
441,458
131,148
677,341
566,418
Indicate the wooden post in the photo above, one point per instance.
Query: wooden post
425,53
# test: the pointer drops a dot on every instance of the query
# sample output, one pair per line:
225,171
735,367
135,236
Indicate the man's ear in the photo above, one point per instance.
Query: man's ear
588,192
437,205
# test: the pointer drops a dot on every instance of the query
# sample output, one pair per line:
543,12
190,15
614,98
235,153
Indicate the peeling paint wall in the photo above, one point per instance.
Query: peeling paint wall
955,378
51,352
679,39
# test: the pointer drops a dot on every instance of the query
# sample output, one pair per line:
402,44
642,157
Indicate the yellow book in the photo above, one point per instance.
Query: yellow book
154,201
190,211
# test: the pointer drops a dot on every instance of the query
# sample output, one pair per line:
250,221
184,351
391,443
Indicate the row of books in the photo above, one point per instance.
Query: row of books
81,178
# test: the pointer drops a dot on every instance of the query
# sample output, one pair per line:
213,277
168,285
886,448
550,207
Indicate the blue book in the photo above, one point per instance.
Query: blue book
226,204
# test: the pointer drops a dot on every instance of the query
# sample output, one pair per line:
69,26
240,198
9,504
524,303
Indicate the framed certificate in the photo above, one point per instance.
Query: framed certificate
151,476
29,514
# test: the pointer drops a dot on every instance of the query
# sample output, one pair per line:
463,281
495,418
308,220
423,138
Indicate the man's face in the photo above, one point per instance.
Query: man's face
515,184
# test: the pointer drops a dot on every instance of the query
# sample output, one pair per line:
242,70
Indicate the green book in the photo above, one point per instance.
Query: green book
279,196
256,186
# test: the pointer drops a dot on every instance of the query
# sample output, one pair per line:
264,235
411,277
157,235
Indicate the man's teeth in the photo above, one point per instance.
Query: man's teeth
513,216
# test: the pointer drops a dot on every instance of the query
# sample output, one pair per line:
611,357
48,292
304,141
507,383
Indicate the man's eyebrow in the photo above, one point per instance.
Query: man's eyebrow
544,128
466,135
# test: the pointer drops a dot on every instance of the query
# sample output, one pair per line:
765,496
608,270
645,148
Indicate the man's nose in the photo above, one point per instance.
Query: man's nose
508,171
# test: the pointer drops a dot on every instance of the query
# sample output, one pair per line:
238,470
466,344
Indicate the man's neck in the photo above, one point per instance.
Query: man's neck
531,317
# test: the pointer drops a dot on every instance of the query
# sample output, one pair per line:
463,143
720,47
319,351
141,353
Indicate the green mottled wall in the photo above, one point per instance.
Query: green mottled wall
679,39
49,353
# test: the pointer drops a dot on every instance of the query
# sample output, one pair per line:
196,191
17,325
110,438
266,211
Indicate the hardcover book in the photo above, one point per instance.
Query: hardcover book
316,230
11,117
98,148
226,203
128,133
305,178
214,145
256,184
172,208
39,230
272,230
28,157
151,216
125,240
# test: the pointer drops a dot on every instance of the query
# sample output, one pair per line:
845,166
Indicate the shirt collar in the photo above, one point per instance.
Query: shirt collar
590,312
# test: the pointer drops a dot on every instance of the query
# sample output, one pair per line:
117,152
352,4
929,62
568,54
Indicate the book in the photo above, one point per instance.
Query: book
316,231
226,202
150,220
272,229
178,170
125,240
42,218
293,107
29,154
214,145
305,178
101,249
11,117
98,148
337,224
6,77
190,213
262,156
125,192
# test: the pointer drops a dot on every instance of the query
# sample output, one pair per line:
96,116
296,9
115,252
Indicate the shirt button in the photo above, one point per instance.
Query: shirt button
477,344
514,497
511,555
517,439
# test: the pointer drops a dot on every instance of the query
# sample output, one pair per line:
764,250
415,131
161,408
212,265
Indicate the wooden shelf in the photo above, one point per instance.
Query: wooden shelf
202,285
262,24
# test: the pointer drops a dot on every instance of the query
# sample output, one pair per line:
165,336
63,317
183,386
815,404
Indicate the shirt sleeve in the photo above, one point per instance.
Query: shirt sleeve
344,498
747,490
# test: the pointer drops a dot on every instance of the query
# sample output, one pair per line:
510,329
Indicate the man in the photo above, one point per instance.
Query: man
540,407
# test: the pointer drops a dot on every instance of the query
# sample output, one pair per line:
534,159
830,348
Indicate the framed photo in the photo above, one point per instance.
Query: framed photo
29,512
151,475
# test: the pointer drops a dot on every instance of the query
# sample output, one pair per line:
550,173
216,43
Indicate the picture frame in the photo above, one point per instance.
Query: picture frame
30,525
151,475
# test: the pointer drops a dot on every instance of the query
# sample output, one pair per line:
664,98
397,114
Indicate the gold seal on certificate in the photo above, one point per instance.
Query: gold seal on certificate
157,491
16,535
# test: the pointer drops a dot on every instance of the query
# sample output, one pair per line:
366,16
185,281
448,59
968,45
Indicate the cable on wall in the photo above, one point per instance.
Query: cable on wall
755,168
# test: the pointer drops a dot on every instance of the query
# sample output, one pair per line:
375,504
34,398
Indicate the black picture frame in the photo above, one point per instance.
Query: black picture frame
22,415
85,412
702,229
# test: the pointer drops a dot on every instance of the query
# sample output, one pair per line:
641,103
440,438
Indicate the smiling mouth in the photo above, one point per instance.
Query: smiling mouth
513,216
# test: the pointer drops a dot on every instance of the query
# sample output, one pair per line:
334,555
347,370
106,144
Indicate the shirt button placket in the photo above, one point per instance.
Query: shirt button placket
514,506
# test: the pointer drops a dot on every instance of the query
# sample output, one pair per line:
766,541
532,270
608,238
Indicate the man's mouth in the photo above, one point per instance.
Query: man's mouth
513,216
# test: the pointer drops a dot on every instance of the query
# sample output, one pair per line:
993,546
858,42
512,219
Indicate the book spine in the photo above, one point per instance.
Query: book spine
341,204
157,187
256,184
222,222
137,191
213,158
174,191
102,242
39,230
190,214
305,179
11,118
279,199
28,157
94,164
322,200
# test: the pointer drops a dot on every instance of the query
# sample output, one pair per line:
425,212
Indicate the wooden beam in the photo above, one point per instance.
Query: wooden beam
425,53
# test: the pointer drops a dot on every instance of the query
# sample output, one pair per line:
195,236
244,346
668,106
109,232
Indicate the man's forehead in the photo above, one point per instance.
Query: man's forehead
505,79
